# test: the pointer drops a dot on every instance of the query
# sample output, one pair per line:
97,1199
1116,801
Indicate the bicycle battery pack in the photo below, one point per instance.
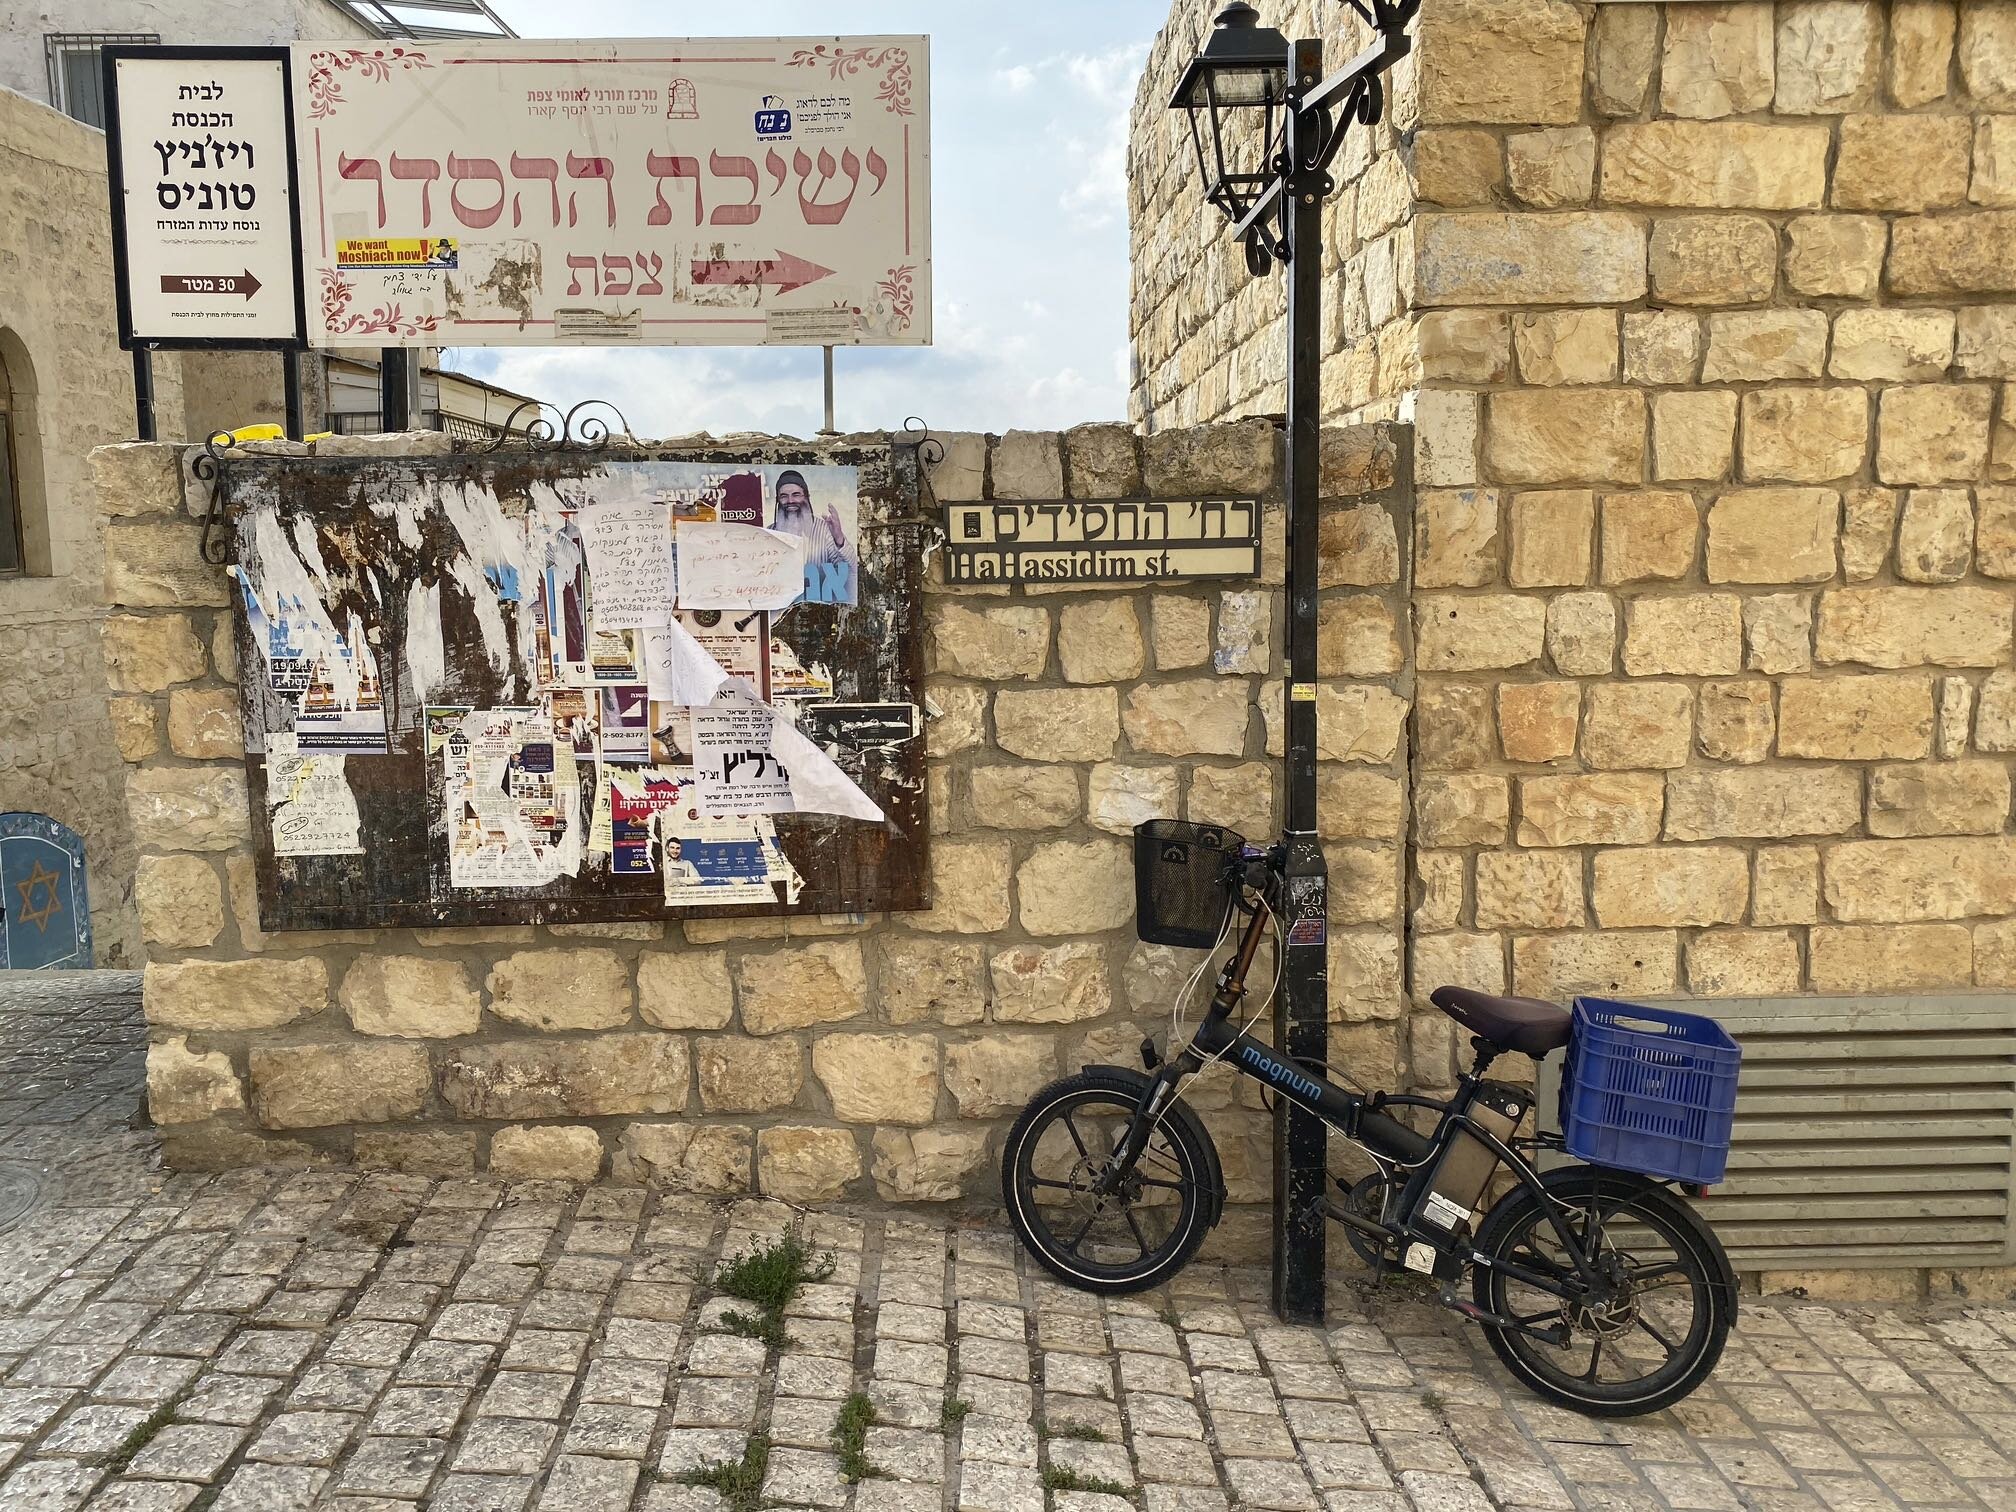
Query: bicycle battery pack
1443,1199
1463,1172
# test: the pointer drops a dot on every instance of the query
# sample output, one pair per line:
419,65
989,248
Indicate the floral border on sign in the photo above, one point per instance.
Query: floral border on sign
845,62
899,288
325,93
387,320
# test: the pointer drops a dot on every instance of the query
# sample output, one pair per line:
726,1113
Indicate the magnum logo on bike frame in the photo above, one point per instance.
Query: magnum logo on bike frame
1117,540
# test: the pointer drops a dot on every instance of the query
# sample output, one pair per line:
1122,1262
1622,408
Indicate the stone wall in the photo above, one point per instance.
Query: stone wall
812,1057
73,390
1713,584
1208,337
1716,538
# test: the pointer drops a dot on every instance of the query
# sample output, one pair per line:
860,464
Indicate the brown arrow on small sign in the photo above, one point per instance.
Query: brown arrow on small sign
191,283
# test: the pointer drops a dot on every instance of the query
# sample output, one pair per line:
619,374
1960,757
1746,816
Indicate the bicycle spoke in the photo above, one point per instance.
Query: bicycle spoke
1664,1343
1595,1358
1541,1265
1669,1268
1036,1181
1169,1186
1079,1237
1139,1237
1167,1162
1072,1129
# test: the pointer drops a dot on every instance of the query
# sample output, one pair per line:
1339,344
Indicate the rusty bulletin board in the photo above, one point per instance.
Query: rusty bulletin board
461,701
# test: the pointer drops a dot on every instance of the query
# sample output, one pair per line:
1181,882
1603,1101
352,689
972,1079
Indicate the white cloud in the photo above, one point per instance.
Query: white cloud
1092,128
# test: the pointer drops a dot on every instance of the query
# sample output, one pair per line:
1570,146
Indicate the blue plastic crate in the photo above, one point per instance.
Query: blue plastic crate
1649,1090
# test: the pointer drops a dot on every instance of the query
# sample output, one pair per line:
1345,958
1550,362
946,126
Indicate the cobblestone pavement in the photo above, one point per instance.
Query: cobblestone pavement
72,1047
265,1339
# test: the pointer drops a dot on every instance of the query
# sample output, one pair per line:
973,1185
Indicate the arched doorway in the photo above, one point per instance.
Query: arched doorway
12,555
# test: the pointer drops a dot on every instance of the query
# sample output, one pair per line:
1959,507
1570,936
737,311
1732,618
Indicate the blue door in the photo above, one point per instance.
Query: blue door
45,910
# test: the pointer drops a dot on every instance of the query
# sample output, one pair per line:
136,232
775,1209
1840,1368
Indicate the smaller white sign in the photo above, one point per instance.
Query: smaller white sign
203,204
738,566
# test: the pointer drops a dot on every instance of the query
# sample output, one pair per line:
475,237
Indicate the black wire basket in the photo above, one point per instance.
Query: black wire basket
1183,879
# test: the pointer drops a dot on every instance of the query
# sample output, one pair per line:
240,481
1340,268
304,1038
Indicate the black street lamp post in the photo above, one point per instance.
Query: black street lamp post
1274,124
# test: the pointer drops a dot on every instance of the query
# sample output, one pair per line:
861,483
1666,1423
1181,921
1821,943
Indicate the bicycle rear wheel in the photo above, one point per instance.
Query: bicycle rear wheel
1128,1240
1660,1332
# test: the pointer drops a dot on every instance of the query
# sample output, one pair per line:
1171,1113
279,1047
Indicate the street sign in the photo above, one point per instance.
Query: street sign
200,148
1093,540
725,191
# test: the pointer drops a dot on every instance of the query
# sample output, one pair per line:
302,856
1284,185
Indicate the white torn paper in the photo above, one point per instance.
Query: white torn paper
510,824
738,566
749,759
314,811
631,577
678,669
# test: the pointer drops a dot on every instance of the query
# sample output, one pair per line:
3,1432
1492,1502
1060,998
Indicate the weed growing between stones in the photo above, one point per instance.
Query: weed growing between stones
850,1433
764,1326
1084,1433
1056,1478
768,1277
953,1413
740,1485
141,1436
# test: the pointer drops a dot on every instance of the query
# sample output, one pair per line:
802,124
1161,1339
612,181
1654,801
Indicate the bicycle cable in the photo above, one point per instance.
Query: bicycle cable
1280,965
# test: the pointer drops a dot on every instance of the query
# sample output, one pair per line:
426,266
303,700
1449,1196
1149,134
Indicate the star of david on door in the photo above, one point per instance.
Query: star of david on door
52,903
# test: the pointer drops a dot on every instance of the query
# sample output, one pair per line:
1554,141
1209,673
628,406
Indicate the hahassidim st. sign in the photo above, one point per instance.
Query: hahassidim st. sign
723,191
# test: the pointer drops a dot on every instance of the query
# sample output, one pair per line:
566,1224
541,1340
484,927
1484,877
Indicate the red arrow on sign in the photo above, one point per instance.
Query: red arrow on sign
784,272
193,283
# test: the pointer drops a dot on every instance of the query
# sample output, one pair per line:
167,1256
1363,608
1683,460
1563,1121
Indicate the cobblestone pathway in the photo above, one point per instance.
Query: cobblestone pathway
72,1048
266,1340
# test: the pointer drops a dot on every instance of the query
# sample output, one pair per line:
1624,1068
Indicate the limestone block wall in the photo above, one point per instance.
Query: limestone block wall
72,390
1713,579
813,1057
1712,588
1208,337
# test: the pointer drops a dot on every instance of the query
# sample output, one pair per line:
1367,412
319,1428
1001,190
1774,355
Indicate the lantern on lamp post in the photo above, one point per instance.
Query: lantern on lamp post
1266,126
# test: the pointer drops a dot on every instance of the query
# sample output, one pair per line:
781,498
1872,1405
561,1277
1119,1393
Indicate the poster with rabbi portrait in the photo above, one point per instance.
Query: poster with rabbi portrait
819,505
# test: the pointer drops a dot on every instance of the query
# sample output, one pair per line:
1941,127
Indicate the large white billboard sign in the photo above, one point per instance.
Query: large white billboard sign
709,192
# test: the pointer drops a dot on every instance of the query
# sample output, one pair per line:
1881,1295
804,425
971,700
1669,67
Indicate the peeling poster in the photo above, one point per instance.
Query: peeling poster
471,696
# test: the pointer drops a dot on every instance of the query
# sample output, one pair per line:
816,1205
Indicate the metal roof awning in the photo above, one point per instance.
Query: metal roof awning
429,20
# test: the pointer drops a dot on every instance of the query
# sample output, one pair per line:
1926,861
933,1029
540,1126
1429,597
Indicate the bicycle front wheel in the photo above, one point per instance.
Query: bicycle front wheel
1660,1330
1129,1239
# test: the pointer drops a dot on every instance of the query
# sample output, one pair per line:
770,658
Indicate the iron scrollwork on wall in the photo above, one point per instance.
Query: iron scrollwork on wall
574,430
208,468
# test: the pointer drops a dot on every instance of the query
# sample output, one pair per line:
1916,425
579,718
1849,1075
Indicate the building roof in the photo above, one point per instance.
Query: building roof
370,365
429,20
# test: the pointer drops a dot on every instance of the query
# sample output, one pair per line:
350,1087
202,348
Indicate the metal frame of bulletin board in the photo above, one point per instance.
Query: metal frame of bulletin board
426,745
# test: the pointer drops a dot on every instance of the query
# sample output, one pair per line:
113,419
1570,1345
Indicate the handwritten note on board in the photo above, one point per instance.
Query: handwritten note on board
738,566
630,569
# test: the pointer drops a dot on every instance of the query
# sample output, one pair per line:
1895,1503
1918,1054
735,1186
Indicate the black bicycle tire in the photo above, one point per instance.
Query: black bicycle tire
1513,1210
1184,1136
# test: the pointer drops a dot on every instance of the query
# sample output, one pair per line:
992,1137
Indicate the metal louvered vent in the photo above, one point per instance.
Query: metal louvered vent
1869,1132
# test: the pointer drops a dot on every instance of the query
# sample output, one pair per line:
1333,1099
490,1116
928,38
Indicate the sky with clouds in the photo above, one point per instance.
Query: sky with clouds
1029,106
